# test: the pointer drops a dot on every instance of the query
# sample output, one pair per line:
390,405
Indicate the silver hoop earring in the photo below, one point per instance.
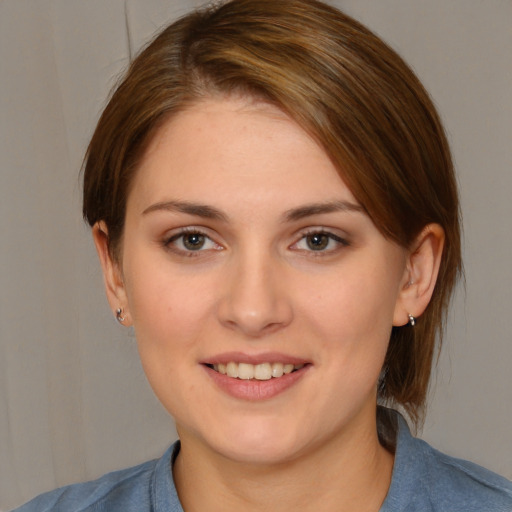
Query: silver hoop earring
412,320
119,316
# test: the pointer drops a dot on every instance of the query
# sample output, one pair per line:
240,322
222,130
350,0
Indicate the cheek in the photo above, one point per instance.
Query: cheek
170,316
167,308
352,314
354,300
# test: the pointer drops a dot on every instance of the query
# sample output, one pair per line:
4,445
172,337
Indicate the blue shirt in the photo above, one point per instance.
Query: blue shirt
424,480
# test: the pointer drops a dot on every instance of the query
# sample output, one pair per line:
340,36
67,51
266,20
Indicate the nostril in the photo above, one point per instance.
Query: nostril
254,303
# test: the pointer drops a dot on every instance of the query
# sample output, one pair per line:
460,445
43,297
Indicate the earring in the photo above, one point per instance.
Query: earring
412,320
119,316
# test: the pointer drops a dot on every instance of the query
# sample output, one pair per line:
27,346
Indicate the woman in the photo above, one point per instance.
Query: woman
273,203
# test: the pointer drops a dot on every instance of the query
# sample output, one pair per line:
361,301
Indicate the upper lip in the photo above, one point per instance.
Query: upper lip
265,357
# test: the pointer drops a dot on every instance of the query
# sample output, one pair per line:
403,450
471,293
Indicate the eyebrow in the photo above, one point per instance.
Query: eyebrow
321,208
294,214
199,210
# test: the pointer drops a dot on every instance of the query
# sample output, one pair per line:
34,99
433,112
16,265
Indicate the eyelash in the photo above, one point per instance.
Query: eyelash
339,241
170,242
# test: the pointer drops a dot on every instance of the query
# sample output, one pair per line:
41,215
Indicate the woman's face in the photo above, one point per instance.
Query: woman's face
244,252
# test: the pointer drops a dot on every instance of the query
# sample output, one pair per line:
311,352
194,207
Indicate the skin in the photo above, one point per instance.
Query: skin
258,284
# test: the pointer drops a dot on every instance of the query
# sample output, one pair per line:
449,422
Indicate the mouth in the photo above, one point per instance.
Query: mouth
256,378
261,371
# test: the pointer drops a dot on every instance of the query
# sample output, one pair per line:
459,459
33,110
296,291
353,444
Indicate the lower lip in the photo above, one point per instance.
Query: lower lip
256,390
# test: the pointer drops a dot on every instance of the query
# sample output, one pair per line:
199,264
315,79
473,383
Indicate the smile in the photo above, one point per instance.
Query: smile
262,371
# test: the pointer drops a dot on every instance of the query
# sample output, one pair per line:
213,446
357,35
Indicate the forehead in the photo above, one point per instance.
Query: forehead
226,149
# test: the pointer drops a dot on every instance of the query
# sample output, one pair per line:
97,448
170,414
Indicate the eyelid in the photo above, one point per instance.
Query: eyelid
341,241
169,239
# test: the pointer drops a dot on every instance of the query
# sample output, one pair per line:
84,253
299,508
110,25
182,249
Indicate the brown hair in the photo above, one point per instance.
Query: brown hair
344,86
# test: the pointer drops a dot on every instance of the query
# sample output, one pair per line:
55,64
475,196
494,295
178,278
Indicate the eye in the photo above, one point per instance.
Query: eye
189,241
193,241
320,241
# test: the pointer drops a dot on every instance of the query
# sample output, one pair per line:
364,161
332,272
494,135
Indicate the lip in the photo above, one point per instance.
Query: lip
265,357
255,390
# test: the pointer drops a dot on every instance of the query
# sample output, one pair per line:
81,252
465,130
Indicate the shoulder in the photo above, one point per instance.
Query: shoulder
128,490
428,480
116,489
456,484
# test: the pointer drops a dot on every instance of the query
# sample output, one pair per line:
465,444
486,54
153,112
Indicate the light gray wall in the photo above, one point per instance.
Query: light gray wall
74,402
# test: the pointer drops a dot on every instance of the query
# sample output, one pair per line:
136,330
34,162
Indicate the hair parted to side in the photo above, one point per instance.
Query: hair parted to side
346,88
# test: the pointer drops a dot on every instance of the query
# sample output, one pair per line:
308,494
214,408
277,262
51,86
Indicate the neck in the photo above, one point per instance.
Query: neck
348,473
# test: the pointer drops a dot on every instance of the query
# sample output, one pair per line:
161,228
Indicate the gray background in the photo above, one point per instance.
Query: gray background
74,402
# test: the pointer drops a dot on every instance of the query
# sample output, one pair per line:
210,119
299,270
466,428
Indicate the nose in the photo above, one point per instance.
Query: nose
255,301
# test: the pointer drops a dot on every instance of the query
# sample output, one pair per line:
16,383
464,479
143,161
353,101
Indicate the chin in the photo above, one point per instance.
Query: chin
250,441
258,454
258,444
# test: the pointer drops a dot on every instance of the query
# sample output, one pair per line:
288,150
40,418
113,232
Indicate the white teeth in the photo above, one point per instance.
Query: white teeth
245,371
262,371
288,368
232,370
277,369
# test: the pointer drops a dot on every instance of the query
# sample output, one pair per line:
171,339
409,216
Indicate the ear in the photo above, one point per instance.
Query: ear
112,273
422,268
